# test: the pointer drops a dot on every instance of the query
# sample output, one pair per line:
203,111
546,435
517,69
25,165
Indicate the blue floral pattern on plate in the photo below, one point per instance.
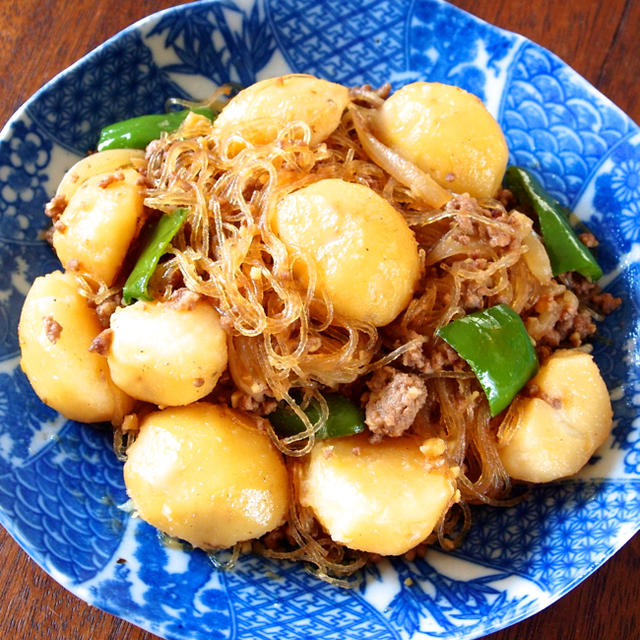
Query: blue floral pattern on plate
59,482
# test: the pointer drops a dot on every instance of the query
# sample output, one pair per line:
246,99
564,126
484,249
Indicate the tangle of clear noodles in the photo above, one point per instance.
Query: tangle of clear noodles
285,335
463,272
288,333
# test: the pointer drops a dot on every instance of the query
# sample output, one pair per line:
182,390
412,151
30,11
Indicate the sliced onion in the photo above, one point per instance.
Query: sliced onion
537,258
422,185
95,164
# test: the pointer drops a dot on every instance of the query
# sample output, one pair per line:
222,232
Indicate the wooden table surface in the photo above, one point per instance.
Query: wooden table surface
39,38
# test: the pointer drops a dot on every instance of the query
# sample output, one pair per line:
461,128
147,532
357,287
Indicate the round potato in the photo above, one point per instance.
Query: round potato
560,430
448,133
56,329
167,353
99,223
261,110
206,474
383,498
365,254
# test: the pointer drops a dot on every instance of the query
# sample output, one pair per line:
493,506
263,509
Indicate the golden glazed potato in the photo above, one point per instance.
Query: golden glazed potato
383,498
205,473
56,329
365,254
560,430
166,353
448,133
101,219
261,110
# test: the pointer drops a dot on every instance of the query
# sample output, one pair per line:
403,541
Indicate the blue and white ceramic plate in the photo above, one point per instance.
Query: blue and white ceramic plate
60,484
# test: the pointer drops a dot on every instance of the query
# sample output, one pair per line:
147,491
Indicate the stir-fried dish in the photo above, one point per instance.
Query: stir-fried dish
322,321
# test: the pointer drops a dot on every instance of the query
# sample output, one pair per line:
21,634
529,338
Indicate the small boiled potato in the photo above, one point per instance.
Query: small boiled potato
365,254
56,329
262,109
383,498
559,430
99,223
448,133
103,162
206,474
165,353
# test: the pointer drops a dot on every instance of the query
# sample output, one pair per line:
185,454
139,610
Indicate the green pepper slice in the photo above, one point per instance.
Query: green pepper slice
136,286
345,418
498,348
137,133
563,246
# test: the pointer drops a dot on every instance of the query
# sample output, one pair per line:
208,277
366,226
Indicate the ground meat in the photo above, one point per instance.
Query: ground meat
394,401
102,342
105,309
532,390
184,299
52,329
502,230
55,207
426,355
142,179
432,357
153,148
590,294
588,240
506,198
604,302
245,402
556,318
110,179
362,94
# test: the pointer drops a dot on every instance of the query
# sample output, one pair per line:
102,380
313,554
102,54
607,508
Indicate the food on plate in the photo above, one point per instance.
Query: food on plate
382,497
260,112
365,254
448,133
561,424
99,223
319,325
206,474
56,332
168,353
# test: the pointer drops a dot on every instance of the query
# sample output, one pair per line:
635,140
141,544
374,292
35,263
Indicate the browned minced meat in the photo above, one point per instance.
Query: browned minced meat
429,357
47,235
183,299
474,293
506,198
110,179
506,234
359,92
101,343
604,302
52,329
590,294
532,390
394,401
245,402
55,207
556,318
155,146
105,309
588,240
